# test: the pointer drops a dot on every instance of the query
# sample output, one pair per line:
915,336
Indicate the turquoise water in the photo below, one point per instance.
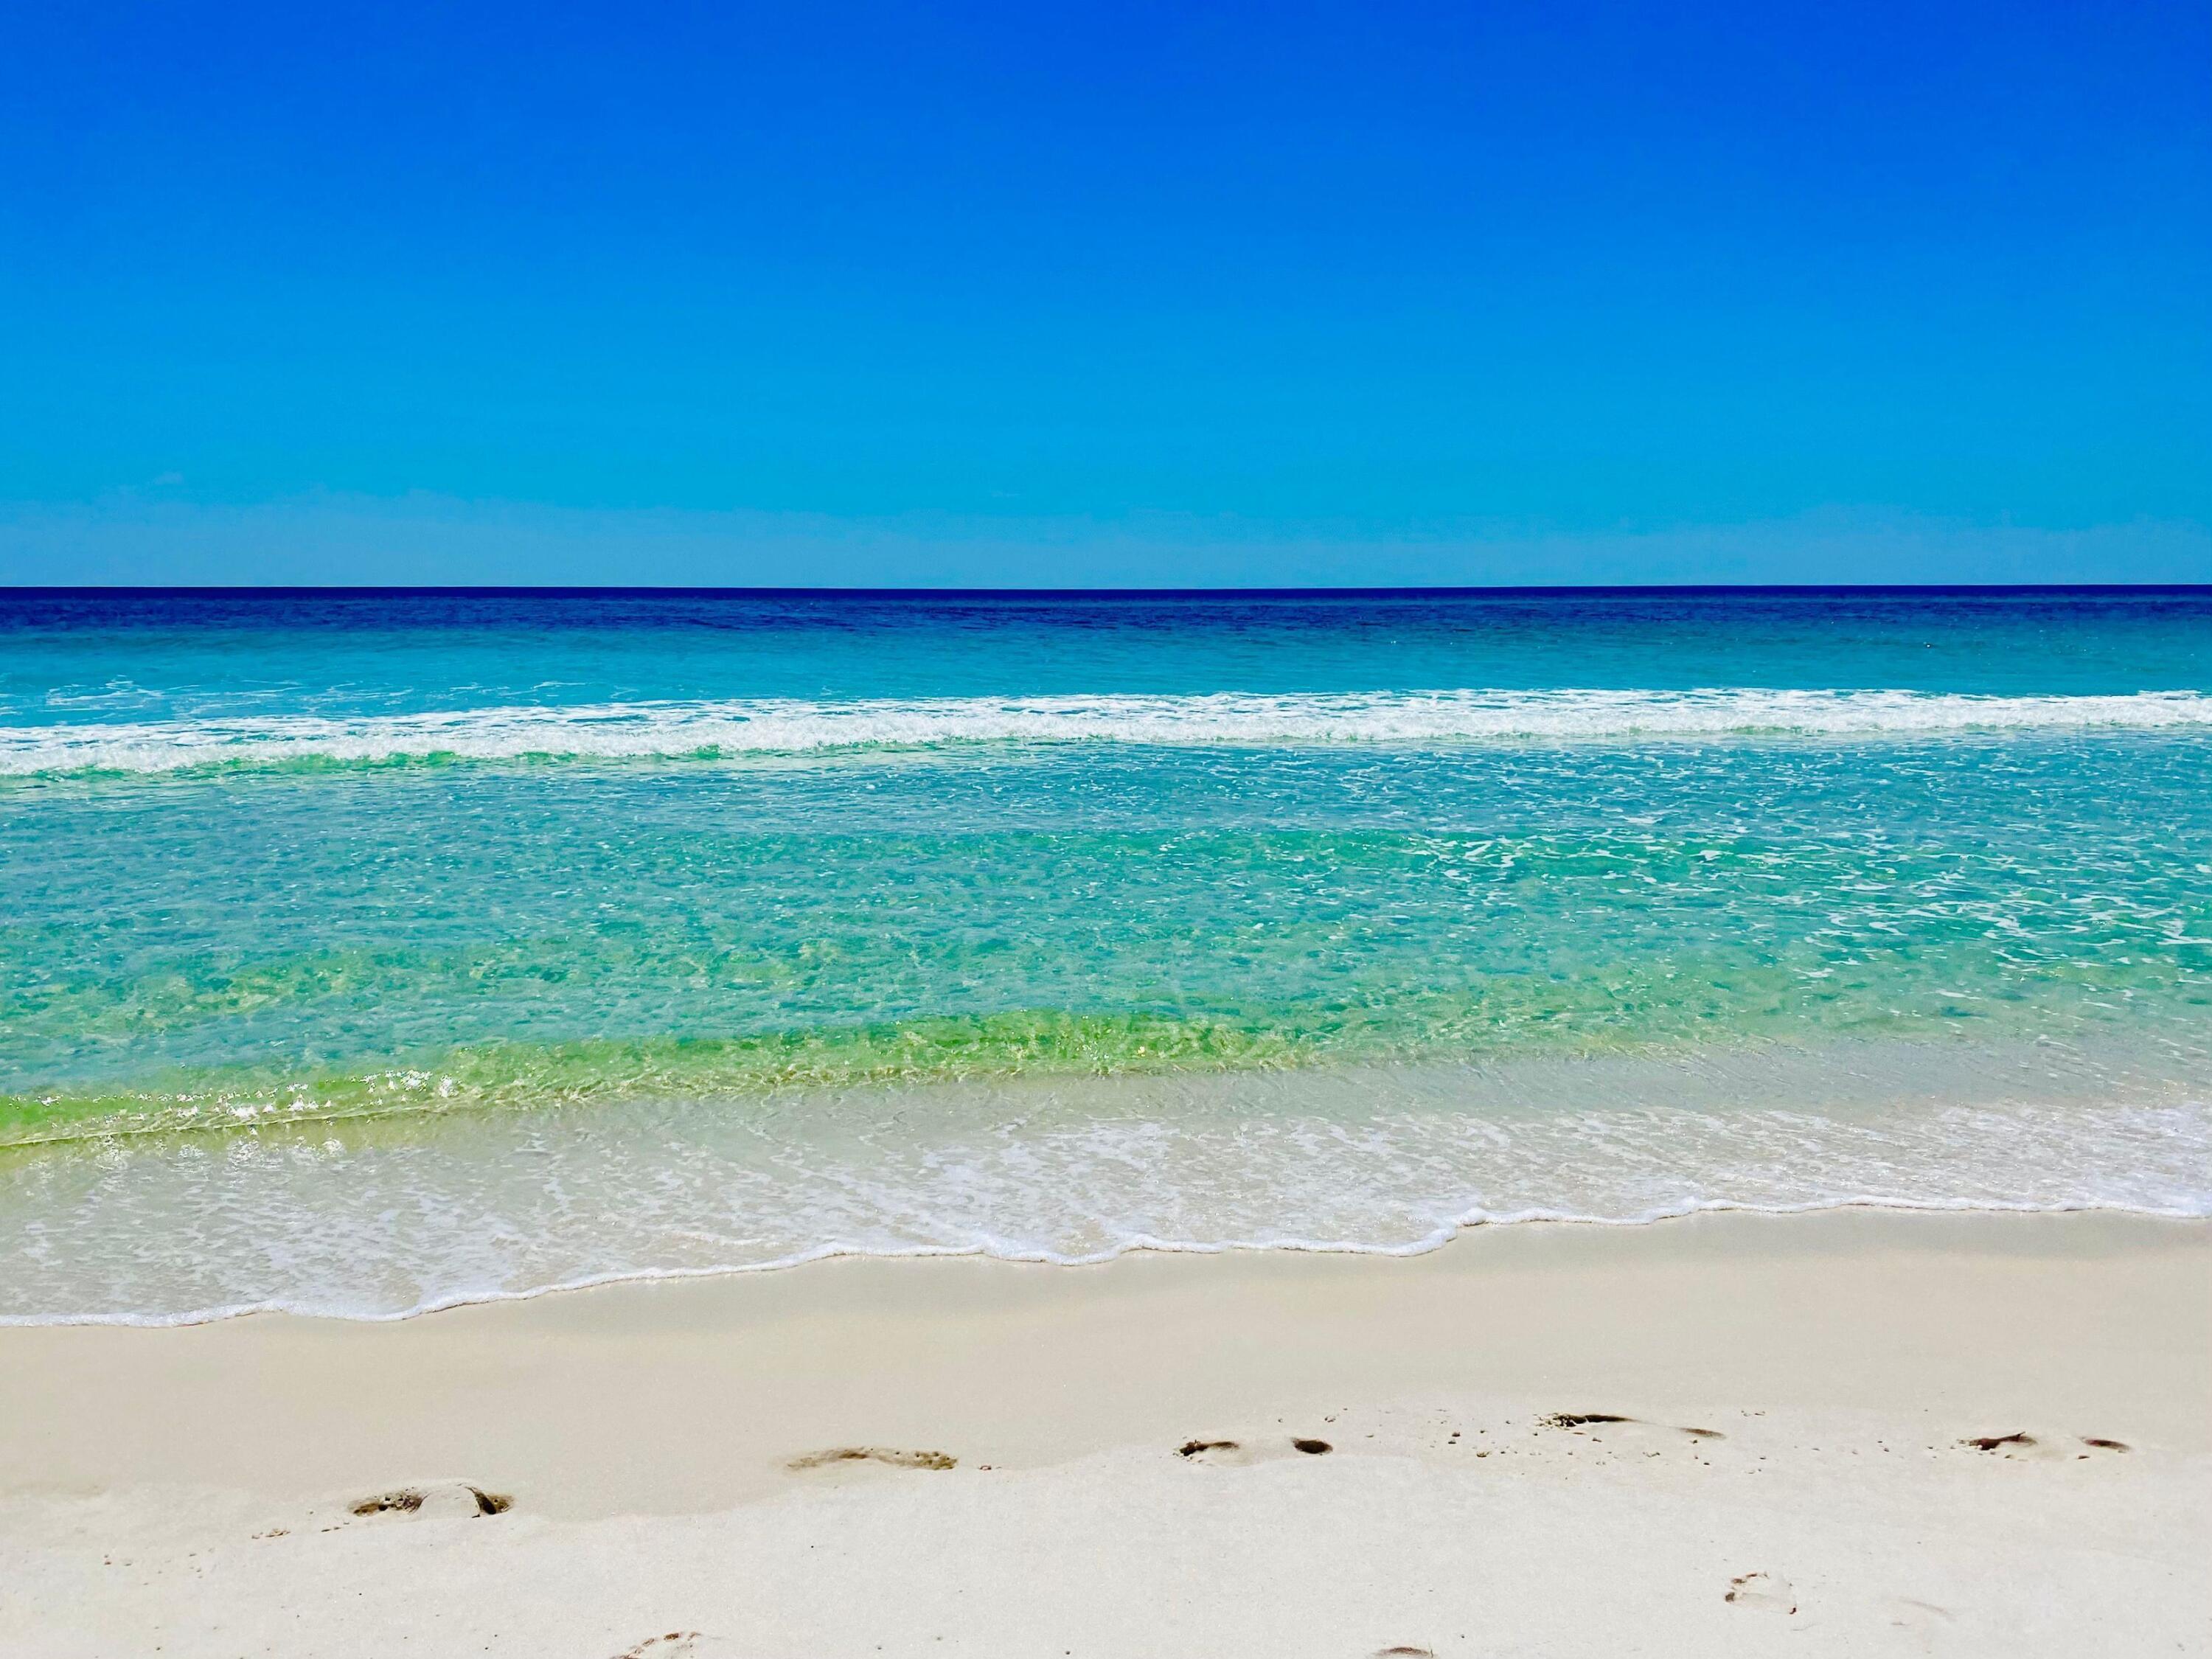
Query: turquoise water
637,934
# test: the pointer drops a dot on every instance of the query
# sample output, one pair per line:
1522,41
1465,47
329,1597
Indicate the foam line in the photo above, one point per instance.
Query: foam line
1399,719
367,1224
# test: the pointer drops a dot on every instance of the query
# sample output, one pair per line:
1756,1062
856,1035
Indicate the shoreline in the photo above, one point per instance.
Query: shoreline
1444,1240
390,1218
868,1454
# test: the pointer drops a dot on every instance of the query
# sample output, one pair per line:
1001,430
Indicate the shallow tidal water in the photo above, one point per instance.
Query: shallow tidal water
362,953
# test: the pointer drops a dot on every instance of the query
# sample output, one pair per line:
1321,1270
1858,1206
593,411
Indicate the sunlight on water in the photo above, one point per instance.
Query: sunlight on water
673,897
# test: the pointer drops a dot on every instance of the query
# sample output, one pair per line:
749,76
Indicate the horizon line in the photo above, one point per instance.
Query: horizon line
493,590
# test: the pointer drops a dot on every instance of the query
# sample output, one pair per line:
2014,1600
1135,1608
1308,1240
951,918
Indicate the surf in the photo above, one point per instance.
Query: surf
715,729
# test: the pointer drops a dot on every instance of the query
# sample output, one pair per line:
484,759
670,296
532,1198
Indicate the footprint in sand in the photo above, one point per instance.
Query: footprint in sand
836,1457
2023,1447
1923,1626
1762,1592
1906,1614
1610,1428
1239,1454
680,1644
421,1500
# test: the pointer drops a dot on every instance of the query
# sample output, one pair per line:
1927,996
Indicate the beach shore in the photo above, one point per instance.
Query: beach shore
1853,1432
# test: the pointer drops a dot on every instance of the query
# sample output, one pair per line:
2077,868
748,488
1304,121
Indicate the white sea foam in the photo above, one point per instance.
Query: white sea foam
788,726
379,1221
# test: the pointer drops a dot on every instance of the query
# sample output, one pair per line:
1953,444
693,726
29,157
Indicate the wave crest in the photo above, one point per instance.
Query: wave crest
730,728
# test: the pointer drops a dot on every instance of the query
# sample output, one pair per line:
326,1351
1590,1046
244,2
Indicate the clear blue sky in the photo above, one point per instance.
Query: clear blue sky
329,293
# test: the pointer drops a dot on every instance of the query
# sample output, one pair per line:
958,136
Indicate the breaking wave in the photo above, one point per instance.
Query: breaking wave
723,729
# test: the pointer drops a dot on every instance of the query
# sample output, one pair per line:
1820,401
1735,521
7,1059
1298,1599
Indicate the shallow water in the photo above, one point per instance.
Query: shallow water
363,953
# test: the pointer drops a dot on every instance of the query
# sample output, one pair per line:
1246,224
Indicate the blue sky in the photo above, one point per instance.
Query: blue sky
1093,295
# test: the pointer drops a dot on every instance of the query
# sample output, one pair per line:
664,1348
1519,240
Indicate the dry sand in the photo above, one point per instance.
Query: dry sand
966,1457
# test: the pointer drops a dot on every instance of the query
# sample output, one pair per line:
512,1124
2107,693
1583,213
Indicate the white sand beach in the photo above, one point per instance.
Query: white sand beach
1849,1433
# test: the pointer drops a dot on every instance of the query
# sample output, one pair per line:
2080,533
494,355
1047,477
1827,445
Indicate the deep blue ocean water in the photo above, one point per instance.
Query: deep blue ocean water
361,951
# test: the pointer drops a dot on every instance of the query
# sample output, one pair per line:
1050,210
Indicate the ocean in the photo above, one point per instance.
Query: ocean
363,952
